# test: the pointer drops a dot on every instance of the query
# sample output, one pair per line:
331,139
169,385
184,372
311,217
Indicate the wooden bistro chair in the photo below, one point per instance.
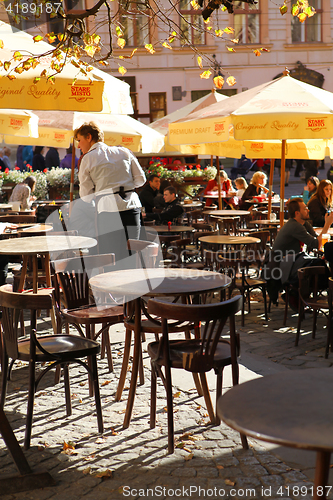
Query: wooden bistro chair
18,219
198,355
311,298
81,310
146,253
52,350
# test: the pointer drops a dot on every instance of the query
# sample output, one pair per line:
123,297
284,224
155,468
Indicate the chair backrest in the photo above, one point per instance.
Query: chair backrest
146,251
86,263
17,219
308,281
178,247
212,317
202,226
12,304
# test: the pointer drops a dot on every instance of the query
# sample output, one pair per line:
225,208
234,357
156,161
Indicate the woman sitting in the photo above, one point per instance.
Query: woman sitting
310,188
320,203
22,192
255,188
212,186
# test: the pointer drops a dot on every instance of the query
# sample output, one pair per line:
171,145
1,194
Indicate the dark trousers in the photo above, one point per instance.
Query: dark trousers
114,229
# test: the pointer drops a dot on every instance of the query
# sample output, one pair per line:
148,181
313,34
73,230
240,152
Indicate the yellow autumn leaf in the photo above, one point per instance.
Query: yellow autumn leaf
90,50
6,65
231,49
257,52
11,77
107,382
68,446
150,48
167,45
122,70
103,63
37,38
231,81
37,79
1,44
19,70
310,11
283,9
229,482
302,17
96,39
218,82
219,33
263,49
205,74
295,10
235,40
105,473
130,56
229,30
199,61
17,56
50,37
195,5
121,42
177,394
119,31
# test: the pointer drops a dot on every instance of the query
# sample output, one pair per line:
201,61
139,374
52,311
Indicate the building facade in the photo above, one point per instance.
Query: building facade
168,79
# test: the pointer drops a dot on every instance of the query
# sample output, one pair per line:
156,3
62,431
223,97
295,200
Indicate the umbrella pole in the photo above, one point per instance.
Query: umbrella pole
71,192
219,182
283,165
270,185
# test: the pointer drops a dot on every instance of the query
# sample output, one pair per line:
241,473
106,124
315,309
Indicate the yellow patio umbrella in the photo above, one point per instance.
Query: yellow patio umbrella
95,91
282,109
162,125
18,123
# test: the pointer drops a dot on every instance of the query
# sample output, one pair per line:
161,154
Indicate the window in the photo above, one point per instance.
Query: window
247,22
310,30
197,94
135,23
157,105
192,24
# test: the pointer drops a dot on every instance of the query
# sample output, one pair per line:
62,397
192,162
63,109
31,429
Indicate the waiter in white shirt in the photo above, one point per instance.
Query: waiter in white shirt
112,173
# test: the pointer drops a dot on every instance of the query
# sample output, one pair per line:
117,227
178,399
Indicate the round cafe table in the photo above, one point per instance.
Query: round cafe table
292,408
173,229
154,282
42,245
227,213
221,239
265,222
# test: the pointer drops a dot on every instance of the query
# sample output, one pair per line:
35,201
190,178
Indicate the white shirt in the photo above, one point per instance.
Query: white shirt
103,170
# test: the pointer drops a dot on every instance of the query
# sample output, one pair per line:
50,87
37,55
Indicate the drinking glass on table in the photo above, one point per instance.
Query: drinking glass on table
324,239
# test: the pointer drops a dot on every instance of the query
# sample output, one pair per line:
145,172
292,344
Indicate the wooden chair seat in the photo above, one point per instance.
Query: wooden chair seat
181,349
68,345
53,350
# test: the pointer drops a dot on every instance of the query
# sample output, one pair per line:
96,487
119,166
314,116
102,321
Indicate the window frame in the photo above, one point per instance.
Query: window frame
247,10
193,14
136,12
304,25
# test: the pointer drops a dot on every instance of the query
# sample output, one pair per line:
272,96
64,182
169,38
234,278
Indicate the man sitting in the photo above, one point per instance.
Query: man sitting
172,209
149,192
287,255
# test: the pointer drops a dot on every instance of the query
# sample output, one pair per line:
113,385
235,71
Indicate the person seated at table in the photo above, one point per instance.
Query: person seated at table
286,257
241,186
212,186
66,162
22,192
148,194
310,188
172,209
255,188
320,203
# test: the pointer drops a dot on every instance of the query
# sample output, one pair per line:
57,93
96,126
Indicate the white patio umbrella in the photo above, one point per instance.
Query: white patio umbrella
282,109
95,91
162,125
18,123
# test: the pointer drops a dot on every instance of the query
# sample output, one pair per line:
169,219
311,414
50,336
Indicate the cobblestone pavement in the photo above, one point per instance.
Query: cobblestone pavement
133,463
209,461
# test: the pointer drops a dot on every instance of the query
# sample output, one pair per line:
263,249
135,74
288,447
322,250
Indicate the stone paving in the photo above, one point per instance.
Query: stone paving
133,463
208,462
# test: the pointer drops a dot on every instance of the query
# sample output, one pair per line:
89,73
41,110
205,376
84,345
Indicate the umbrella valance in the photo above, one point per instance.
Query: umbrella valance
97,91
